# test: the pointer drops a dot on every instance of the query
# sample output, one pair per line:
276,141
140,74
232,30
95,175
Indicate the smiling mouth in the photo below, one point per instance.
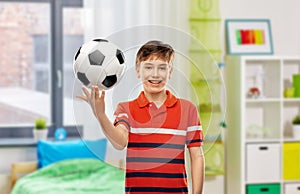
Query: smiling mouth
155,81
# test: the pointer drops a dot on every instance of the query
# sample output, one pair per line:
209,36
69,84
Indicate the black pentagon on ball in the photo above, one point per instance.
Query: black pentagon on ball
96,58
77,53
82,77
120,56
100,40
109,81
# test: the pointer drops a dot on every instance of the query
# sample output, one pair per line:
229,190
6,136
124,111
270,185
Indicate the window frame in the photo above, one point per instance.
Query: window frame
56,71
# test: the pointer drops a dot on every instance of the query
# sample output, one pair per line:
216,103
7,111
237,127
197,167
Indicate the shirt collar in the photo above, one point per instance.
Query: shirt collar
169,102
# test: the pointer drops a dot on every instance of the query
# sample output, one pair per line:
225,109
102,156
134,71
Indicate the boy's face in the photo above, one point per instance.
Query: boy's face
154,74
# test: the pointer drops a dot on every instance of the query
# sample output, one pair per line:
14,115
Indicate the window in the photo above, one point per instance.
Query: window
31,57
73,39
22,98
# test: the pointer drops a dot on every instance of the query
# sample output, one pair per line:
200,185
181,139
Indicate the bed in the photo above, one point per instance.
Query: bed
68,167
80,176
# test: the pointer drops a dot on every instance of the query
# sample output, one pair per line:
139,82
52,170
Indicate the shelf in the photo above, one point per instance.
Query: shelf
217,141
261,182
291,181
208,81
269,140
262,100
259,133
193,19
291,99
209,108
288,140
262,120
213,172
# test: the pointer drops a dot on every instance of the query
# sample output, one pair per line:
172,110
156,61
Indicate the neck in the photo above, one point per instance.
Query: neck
156,97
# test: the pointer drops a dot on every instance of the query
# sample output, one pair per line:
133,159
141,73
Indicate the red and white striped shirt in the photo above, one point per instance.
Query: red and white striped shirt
156,143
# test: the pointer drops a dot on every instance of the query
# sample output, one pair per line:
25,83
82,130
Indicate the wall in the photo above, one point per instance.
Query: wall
284,17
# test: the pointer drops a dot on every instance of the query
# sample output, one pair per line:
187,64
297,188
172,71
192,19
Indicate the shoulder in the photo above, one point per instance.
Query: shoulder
187,104
126,104
123,103
122,106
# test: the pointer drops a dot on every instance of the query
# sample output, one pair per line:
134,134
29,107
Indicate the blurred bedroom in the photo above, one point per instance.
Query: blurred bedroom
39,39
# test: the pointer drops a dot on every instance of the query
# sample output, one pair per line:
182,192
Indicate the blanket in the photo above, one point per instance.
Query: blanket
75,176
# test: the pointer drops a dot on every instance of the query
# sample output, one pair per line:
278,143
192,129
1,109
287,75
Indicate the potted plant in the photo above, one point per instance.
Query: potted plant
40,130
296,127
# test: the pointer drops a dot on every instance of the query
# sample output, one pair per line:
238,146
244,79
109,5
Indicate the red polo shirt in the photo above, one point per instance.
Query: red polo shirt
156,143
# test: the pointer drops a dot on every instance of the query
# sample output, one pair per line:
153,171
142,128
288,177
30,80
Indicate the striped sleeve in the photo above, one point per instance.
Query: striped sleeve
121,116
194,135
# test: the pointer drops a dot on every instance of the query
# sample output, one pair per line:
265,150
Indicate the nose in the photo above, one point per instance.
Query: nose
155,72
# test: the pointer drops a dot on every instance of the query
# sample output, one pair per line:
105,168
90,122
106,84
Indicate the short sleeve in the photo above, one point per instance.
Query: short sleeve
121,116
194,137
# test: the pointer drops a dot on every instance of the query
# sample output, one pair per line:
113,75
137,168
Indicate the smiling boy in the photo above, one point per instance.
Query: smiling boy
155,127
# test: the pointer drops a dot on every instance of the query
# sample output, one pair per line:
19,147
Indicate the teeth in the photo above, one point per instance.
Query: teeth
154,82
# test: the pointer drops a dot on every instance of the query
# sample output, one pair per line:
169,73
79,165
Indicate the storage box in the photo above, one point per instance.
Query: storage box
263,189
291,161
296,83
263,163
292,188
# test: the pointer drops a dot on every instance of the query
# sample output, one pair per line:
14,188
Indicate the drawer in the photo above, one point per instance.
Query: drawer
263,189
263,163
292,188
291,161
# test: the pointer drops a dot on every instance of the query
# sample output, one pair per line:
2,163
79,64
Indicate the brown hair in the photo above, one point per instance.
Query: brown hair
154,49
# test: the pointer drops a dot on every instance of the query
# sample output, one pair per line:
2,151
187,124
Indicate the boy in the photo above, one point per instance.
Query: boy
155,127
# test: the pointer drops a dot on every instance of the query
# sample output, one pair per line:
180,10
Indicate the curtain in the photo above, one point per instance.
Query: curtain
129,24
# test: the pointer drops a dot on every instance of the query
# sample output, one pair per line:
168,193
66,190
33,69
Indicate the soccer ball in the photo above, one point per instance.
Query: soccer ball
99,62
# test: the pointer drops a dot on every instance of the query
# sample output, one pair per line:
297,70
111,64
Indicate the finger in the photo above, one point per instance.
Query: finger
96,92
82,97
86,92
102,94
93,93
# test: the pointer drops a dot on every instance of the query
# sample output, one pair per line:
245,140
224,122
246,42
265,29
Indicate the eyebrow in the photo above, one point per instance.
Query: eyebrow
161,64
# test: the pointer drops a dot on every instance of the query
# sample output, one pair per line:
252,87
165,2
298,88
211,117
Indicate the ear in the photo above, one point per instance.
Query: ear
137,70
170,71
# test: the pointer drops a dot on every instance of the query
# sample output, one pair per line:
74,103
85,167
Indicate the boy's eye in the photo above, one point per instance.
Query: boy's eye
148,67
162,68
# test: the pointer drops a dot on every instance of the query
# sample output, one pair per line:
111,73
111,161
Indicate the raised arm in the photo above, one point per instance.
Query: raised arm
117,135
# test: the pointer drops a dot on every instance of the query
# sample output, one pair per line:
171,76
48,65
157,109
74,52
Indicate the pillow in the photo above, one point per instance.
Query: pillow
49,152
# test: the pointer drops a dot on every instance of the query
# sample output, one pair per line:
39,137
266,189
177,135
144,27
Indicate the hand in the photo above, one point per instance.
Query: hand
94,99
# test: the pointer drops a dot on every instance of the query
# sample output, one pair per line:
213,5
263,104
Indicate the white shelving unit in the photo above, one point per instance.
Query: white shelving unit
259,144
